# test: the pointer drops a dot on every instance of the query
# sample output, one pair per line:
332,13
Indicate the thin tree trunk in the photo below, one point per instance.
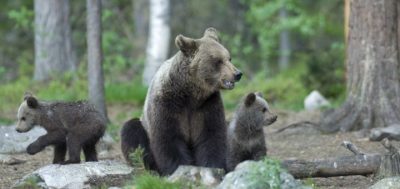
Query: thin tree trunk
158,41
95,56
53,43
141,20
284,43
373,83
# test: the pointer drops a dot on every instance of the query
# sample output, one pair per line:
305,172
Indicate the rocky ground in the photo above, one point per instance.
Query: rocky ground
302,143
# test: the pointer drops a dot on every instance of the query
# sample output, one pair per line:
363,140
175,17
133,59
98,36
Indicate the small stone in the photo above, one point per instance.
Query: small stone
315,101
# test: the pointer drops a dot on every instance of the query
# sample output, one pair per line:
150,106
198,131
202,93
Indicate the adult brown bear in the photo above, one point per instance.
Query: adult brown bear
183,114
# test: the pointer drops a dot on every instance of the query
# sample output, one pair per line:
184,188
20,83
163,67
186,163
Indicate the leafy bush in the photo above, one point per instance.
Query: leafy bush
285,90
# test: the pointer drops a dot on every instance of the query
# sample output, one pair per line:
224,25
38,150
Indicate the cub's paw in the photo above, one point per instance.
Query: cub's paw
34,148
69,162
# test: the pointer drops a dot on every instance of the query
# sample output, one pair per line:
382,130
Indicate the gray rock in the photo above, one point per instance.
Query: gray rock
288,182
9,160
104,146
258,174
12,142
85,175
392,132
199,175
315,101
387,183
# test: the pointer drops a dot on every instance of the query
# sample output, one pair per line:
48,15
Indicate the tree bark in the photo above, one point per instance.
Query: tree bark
373,98
141,20
95,56
159,36
284,43
53,43
342,166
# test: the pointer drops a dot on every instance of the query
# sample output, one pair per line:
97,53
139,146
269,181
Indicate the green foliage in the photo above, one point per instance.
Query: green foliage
150,181
266,175
23,17
130,92
326,77
137,158
285,90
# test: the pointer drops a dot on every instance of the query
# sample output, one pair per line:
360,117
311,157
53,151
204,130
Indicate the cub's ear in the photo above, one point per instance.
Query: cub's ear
27,94
32,102
259,94
250,98
185,44
211,33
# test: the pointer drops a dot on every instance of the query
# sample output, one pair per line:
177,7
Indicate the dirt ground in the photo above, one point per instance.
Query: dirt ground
299,143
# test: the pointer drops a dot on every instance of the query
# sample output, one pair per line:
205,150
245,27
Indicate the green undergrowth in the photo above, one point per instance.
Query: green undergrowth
145,179
283,91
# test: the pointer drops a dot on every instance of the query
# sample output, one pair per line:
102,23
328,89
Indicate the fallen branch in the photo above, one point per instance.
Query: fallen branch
358,164
294,125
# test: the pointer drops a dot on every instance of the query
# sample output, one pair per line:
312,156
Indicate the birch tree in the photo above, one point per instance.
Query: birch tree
158,39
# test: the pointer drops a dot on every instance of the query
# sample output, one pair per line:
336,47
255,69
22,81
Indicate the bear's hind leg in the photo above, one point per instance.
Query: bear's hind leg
60,151
90,152
74,149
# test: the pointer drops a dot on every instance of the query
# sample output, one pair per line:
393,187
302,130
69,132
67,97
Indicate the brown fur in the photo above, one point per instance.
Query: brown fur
246,140
183,113
69,125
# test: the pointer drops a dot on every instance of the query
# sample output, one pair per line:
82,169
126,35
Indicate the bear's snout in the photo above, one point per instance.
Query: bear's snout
238,75
18,130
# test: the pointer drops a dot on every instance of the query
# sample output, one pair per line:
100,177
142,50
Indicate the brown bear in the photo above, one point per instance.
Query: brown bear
183,113
246,139
69,125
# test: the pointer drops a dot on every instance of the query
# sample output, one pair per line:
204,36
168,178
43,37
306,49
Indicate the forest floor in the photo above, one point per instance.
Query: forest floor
300,143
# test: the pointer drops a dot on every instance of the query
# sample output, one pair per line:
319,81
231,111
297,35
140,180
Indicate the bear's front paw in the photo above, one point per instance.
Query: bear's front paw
33,149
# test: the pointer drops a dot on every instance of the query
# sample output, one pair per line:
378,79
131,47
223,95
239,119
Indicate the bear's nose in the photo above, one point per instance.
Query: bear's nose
238,75
274,118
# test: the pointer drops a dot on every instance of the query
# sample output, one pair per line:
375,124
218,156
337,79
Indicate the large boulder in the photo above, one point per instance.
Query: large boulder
12,142
84,175
315,101
259,174
387,183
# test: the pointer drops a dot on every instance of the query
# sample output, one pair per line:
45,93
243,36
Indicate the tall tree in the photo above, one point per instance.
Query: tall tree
141,22
373,78
53,43
158,41
284,43
95,56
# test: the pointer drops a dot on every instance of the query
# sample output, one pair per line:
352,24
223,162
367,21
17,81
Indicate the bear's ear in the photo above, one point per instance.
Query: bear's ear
185,44
211,33
32,102
250,98
27,94
259,94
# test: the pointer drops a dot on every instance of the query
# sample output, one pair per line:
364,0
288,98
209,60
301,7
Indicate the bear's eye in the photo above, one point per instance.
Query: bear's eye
219,62
264,110
23,118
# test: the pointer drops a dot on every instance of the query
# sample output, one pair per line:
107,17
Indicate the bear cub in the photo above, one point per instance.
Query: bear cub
246,139
70,126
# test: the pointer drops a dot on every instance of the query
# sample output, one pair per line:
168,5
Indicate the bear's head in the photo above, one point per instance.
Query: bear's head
256,108
27,113
209,62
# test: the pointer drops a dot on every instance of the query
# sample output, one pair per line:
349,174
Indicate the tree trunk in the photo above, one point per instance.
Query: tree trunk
158,41
284,43
373,98
53,42
141,20
95,56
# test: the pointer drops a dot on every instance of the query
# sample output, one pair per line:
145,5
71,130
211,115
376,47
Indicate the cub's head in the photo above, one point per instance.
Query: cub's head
257,110
27,114
210,62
